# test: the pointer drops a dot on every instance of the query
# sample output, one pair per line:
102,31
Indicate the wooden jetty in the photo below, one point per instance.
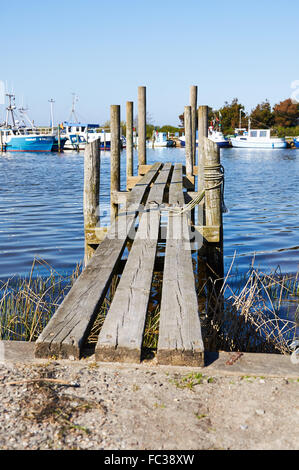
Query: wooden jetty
157,208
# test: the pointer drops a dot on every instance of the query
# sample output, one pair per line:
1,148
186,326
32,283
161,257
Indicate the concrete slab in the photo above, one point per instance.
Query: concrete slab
218,363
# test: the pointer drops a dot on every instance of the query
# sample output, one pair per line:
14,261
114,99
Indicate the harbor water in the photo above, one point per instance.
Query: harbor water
41,199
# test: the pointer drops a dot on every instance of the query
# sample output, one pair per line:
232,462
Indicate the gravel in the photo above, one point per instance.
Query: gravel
116,406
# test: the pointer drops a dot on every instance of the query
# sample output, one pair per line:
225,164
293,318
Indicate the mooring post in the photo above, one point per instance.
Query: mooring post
213,180
188,141
202,133
141,126
114,157
129,138
193,104
91,193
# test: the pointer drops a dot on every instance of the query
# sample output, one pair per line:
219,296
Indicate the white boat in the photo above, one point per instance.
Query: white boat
160,139
79,134
257,138
217,137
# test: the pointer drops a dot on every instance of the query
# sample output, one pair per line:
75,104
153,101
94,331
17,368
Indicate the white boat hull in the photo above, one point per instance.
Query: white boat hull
272,144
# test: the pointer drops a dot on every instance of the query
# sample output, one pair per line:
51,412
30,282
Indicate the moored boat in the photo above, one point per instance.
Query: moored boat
16,140
160,139
257,138
296,142
217,137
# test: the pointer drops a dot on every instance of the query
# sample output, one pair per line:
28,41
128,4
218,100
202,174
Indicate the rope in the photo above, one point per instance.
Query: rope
217,177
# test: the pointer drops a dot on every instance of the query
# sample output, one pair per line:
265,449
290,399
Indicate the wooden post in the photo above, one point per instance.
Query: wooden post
91,194
114,157
141,126
193,104
129,138
213,207
58,138
188,140
202,133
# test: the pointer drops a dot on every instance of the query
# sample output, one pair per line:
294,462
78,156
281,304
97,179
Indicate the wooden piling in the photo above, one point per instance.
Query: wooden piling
114,157
141,126
202,133
91,193
193,104
129,138
213,205
188,140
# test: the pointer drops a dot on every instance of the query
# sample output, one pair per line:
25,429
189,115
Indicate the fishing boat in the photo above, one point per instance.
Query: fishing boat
160,139
257,138
18,138
77,134
217,136
296,142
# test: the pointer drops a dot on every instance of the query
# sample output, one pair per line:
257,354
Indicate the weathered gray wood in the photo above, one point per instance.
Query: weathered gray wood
141,125
65,333
202,133
129,137
121,336
91,192
213,209
193,104
114,156
188,141
180,339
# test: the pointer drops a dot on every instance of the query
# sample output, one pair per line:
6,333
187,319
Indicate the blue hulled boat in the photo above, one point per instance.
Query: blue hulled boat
296,142
18,140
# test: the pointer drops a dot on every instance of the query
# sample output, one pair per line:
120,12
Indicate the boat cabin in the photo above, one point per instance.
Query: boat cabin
79,128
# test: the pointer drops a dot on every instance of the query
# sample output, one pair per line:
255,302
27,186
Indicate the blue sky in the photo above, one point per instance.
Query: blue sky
103,50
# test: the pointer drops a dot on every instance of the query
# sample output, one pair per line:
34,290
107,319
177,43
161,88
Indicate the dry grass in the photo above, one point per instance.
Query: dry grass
26,305
258,313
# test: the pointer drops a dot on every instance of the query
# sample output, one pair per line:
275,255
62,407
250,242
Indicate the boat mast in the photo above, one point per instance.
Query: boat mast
73,113
10,110
51,101
23,112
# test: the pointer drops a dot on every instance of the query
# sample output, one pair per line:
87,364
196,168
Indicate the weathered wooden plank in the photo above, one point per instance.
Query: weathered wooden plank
180,340
67,330
121,336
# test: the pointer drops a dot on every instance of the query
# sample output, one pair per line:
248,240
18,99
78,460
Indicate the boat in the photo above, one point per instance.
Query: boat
18,138
160,139
77,134
257,138
217,136
296,142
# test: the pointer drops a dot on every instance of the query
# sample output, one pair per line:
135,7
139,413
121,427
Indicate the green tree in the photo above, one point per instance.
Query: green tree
286,113
262,115
230,116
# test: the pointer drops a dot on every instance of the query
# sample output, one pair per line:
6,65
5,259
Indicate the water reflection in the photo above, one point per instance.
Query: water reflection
41,200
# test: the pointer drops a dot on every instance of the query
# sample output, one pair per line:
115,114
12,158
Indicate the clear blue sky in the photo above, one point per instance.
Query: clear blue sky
103,50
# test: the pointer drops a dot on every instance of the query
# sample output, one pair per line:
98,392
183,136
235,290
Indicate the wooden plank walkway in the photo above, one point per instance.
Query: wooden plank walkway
180,341
121,336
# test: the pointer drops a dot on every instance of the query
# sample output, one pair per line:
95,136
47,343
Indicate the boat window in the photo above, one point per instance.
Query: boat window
263,133
243,138
253,134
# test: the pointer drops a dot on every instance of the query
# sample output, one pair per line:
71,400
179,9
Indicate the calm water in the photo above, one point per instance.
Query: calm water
41,207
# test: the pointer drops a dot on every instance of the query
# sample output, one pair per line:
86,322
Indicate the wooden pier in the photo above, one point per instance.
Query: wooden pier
157,209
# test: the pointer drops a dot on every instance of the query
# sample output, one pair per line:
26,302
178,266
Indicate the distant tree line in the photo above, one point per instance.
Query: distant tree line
283,117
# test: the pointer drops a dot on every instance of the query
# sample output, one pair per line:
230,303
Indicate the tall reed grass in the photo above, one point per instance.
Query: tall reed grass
252,312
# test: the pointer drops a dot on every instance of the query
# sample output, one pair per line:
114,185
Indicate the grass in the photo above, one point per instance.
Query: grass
256,312
27,304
